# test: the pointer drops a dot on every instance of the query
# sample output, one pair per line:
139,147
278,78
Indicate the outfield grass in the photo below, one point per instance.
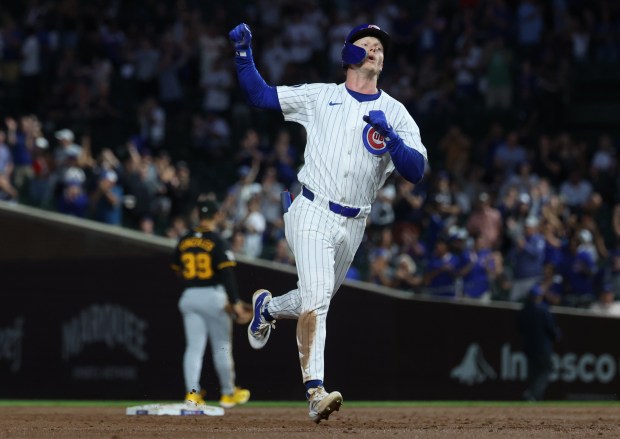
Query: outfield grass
413,404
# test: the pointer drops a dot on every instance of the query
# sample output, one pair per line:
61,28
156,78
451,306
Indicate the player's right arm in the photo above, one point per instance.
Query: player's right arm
258,93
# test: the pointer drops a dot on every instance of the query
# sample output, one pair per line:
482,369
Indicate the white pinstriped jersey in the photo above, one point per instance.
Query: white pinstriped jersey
336,162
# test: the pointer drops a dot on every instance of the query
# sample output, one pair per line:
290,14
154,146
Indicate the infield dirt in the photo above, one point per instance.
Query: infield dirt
269,423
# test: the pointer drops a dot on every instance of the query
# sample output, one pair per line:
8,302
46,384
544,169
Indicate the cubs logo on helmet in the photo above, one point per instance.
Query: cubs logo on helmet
373,141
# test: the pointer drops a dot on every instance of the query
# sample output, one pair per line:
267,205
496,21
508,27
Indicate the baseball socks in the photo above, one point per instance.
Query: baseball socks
266,314
312,384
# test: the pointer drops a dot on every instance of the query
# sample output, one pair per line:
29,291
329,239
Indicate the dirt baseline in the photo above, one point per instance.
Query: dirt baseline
250,422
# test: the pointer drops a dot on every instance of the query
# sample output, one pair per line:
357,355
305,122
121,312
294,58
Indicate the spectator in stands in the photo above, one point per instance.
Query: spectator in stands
527,257
275,59
66,148
409,202
514,209
7,191
146,58
249,151
180,188
301,36
21,141
460,246
486,222
523,179
443,208
235,204
107,199
606,47
42,165
30,70
530,27
73,199
284,158
580,269
606,303
407,237
603,168
576,190
594,217
270,206
440,275
218,131
237,243
406,276
498,74
548,163
456,148
484,152
173,58
580,37
552,285
380,270
178,227
481,268
282,253
152,118
142,185
254,226
467,67
553,234
217,87
509,155
147,225
382,212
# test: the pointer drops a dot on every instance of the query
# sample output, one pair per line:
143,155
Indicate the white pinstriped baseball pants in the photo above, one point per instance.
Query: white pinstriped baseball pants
324,244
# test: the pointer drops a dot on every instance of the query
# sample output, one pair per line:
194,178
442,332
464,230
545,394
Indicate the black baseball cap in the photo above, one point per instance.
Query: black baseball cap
207,209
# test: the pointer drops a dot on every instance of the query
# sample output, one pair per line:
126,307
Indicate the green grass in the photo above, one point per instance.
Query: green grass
413,404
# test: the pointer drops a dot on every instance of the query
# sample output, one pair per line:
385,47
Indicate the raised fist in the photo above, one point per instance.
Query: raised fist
241,36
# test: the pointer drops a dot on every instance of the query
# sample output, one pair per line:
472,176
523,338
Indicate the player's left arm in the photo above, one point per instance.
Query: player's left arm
408,158
175,264
224,262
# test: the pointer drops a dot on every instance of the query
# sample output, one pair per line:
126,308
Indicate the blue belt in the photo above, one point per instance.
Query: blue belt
349,212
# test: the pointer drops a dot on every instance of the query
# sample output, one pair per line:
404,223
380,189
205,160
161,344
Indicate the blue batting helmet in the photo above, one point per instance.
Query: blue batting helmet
352,54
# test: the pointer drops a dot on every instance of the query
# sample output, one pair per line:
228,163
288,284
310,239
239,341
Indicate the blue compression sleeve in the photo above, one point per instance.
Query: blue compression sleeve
259,94
408,161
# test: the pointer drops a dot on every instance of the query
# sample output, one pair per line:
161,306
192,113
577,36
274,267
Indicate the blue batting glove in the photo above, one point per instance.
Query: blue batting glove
241,37
377,119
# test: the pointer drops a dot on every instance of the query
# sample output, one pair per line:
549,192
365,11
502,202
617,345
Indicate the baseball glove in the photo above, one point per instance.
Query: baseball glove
240,312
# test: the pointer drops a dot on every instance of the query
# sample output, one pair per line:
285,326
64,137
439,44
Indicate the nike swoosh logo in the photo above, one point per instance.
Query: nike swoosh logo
331,104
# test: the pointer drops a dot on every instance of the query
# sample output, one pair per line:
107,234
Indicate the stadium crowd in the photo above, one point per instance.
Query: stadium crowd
127,112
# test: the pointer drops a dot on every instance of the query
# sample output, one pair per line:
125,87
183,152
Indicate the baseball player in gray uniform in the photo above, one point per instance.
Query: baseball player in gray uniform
205,266
356,136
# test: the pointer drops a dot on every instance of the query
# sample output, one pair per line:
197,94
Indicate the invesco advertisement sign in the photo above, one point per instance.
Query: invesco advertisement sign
586,368
568,367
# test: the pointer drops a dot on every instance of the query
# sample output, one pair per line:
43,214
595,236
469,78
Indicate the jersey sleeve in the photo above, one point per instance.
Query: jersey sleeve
224,261
409,131
299,101
175,263
222,257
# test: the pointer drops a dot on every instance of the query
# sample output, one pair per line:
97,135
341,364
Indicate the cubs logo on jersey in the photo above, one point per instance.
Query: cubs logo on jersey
373,141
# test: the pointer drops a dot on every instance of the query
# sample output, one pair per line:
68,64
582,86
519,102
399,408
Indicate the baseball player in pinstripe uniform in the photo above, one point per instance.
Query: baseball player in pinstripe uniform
205,266
356,136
